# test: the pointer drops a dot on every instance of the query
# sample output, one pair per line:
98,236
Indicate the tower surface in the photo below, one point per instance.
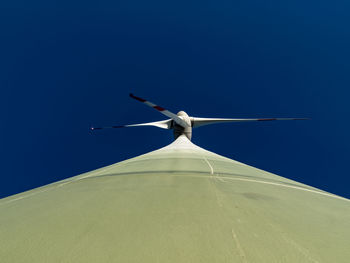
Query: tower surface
180,203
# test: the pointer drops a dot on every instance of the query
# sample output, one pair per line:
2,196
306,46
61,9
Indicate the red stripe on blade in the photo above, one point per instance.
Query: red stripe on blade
137,98
273,119
159,108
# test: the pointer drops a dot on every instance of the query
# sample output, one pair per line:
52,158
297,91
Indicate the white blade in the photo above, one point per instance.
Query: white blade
167,113
166,124
197,122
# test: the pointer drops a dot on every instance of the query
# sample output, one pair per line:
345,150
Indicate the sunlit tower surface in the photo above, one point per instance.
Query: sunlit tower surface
180,203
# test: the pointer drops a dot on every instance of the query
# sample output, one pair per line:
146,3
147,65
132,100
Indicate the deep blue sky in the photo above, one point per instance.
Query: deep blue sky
66,66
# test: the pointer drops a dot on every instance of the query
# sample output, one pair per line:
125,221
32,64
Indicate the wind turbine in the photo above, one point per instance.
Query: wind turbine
182,124
179,203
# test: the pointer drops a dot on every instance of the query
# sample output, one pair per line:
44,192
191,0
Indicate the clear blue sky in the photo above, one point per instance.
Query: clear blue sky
68,65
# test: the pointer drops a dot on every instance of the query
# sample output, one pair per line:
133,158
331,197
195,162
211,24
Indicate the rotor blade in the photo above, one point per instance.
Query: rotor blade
166,124
167,113
197,122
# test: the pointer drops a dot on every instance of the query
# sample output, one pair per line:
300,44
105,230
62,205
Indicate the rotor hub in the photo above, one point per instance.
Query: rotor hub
179,130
